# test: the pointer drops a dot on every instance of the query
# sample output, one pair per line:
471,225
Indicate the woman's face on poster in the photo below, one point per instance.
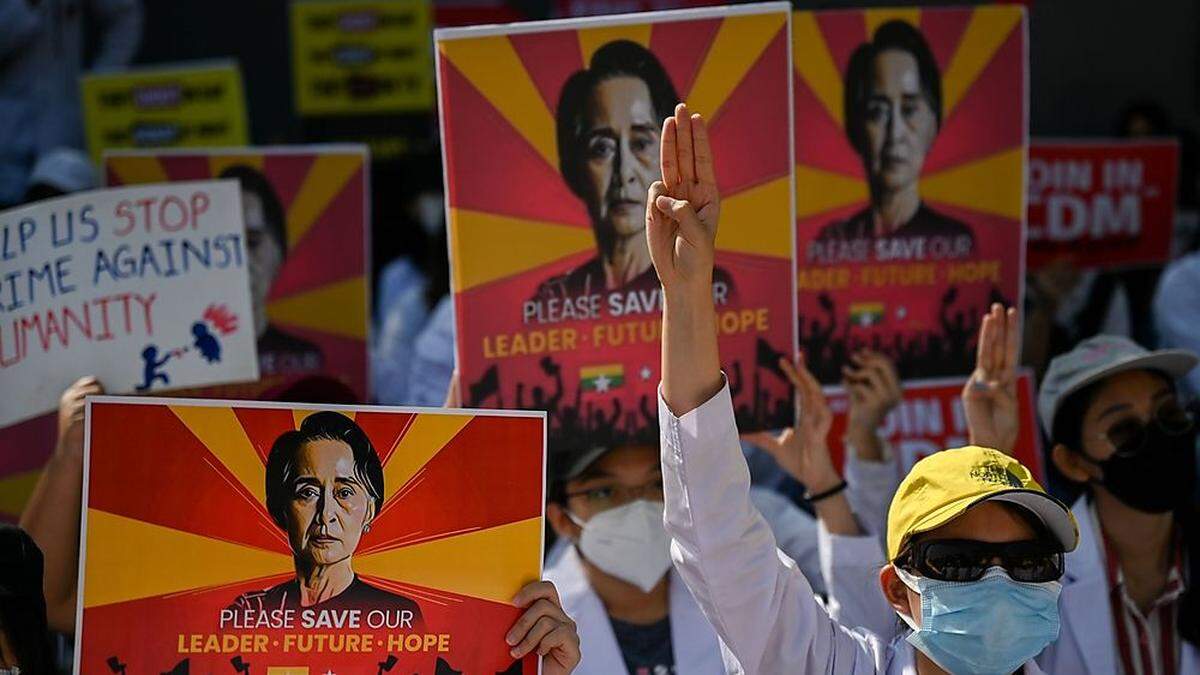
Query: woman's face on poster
900,126
265,256
621,137
329,506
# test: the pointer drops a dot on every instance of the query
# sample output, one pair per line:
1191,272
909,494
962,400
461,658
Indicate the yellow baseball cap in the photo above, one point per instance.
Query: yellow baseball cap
944,485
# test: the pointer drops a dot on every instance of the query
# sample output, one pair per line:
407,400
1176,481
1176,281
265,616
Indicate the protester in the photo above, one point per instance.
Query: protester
42,55
1175,305
850,562
51,516
1118,429
433,360
972,504
613,566
873,391
402,316
24,639
60,172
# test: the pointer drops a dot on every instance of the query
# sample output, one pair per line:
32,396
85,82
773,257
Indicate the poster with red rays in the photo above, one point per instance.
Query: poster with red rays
307,238
1102,203
551,139
930,418
911,134
220,536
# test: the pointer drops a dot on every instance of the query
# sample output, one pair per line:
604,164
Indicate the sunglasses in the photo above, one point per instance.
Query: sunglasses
969,560
1129,436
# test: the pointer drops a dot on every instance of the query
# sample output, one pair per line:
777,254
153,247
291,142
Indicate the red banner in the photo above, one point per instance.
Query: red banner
1108,203
931,418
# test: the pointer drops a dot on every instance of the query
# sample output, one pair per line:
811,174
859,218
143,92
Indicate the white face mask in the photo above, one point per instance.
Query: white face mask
628,542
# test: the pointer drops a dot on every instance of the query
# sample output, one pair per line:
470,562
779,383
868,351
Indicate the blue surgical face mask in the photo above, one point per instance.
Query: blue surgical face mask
986,627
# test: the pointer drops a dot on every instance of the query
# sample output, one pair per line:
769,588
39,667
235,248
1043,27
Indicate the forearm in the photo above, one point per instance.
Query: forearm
761,606
837,516
866,444
870,487
691,367
52,518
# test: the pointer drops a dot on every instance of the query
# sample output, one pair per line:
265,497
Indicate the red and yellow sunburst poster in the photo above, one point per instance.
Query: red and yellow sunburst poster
910,161
305,210
220,536
551,139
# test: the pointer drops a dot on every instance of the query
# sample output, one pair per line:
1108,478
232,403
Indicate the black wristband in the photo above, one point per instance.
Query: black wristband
812,499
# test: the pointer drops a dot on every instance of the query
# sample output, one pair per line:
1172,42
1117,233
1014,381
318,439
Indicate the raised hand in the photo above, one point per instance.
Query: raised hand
681,227
990,395
544,628
683,208
803,450
71,407
874,391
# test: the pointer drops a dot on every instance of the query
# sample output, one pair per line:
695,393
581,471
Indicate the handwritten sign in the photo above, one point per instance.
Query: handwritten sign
305,210
146,288
1102,203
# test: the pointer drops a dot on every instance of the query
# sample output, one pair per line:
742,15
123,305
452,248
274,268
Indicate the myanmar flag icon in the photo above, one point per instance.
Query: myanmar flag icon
600,379
866,314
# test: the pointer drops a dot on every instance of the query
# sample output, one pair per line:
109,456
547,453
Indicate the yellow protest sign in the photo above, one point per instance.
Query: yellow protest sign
180,105
362,57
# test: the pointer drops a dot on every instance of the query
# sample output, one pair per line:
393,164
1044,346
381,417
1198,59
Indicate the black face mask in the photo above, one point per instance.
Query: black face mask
1159,478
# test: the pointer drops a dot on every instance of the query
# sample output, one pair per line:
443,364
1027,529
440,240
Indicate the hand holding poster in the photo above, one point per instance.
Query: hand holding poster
910,151
303,539
190,104
305,209
1102,203
551,138
145,288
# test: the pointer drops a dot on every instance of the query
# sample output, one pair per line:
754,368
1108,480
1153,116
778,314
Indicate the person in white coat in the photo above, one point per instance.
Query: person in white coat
1130,603
612,563
975,545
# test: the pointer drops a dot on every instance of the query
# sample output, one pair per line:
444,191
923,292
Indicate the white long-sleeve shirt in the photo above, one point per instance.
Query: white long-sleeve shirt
760,604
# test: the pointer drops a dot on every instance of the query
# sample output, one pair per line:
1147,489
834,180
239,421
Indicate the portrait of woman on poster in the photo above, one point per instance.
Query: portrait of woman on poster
608,127
324,487
892,107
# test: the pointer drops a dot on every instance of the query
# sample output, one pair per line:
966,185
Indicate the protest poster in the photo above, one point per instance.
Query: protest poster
423,524
910,168
176,105
1102,203
557,305
306,233
146,288
351,58
930,418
